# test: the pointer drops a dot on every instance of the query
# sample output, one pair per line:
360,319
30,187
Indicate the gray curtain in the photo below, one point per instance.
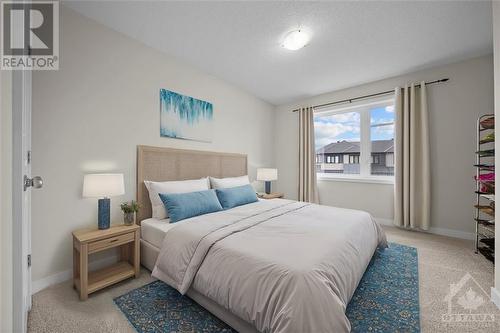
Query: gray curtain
308,190
412,200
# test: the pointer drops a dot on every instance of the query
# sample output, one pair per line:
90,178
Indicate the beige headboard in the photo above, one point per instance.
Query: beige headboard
164,164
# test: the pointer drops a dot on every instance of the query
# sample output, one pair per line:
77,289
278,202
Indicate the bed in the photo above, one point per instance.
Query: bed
269,266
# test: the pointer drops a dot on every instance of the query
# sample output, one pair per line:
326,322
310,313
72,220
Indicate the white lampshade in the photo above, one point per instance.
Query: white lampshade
103,185
267,174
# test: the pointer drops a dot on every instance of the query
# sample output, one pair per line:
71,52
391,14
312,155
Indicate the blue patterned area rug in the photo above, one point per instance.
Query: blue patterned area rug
386,300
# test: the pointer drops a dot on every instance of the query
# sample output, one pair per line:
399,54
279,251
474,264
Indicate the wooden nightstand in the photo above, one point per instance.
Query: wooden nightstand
88,241
273,195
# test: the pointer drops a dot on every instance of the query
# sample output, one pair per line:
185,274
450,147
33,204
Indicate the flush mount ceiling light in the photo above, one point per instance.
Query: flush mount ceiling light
295,40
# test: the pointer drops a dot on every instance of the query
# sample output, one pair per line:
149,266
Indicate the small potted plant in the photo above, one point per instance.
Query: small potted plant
129,210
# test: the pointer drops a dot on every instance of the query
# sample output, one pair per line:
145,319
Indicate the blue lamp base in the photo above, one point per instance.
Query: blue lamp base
268,187
103,213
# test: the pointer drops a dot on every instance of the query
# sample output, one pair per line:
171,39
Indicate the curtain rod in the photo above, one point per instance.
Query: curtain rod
350,100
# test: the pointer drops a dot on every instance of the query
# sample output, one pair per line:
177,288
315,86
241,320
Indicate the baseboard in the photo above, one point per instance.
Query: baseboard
436,231
51,280
495,296
452,233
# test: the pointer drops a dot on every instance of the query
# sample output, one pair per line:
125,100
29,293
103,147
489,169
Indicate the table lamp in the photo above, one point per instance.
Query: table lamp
267,175
103,186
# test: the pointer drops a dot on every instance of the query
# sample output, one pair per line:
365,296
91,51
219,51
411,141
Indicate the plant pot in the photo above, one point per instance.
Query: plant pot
129,218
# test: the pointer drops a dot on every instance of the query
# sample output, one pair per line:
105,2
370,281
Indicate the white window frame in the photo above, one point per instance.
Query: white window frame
363,108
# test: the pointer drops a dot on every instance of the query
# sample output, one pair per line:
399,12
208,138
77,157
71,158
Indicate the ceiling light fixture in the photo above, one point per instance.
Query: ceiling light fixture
295,40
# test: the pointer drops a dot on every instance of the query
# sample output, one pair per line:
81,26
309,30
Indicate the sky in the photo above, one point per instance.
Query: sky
346,126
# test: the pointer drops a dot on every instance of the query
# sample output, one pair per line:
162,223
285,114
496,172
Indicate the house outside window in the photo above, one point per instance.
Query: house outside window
356,141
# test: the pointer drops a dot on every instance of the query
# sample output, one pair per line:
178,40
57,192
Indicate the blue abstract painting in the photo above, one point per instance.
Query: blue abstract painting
185,117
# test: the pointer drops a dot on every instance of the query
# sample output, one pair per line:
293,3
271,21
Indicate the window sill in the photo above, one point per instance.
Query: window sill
388,180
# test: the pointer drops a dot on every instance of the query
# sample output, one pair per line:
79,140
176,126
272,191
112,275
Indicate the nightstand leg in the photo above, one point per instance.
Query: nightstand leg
84,274
136,253
76,265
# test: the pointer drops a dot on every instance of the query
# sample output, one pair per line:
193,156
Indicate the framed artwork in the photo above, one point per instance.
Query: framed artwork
185,117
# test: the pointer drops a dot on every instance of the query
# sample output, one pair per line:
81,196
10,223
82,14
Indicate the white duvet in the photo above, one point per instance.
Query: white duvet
281,265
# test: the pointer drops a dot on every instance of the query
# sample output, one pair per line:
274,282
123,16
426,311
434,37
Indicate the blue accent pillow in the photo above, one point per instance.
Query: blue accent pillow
236,196
181,206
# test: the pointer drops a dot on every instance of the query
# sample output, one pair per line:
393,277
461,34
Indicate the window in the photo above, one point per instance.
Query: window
356,140
353,159
382,140
337,134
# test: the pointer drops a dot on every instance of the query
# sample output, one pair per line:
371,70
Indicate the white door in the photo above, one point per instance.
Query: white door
23,182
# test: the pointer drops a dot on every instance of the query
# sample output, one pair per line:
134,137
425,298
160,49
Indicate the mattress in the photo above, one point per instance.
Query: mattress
154,230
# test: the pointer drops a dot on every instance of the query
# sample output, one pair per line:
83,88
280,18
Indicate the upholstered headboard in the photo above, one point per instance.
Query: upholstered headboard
164,164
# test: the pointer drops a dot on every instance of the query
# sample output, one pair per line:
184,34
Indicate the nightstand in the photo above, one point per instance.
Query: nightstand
273,195
88,241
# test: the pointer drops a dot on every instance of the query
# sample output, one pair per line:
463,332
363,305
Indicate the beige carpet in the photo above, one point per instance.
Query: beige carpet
442,261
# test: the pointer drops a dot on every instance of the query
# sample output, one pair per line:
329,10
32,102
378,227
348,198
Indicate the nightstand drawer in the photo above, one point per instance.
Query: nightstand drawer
111,242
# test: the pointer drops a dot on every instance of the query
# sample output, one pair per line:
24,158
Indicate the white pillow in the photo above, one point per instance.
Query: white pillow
181,186
229,182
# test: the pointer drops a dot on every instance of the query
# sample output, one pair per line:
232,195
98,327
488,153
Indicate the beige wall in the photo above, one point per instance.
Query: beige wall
5,201
90,115
454,107
358,196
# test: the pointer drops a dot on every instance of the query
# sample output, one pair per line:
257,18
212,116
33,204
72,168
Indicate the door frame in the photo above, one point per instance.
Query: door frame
21,199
